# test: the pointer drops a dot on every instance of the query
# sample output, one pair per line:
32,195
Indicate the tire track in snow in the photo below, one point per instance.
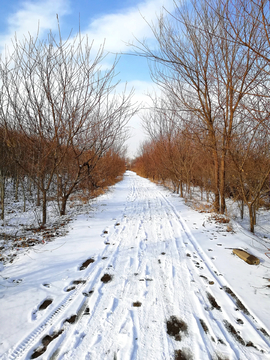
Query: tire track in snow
258,337
49,322
154,227
125,321
174,275
111,320
149,264
91,276
104,310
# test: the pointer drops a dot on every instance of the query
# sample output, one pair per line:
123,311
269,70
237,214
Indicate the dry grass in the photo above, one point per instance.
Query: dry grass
221,219
202,207
97,192
82,198
229,227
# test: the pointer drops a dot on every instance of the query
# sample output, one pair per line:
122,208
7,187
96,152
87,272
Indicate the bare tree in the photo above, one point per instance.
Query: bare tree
206,76
173,142
52,91
105,128
250,168
5,167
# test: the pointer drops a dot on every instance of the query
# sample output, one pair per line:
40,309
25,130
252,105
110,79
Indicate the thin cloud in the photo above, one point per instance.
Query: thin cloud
116,29
120,28
32,17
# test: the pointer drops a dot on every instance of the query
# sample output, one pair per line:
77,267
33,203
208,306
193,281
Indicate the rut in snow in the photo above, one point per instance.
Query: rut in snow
152,293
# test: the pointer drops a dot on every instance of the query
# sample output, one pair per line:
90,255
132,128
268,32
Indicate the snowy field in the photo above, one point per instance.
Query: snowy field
141,276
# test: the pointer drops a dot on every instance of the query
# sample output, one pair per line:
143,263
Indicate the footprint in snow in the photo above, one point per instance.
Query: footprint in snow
86,263
17,281
72,319
74,284
43,306
45,342
47,285
88,294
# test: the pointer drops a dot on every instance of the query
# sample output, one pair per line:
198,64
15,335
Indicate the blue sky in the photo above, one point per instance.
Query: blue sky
117,21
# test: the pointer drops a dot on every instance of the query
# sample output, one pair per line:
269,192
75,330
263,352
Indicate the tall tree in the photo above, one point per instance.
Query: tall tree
52,90
205,74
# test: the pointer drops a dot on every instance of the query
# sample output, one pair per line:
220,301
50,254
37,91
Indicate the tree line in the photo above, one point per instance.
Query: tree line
62,122
209,125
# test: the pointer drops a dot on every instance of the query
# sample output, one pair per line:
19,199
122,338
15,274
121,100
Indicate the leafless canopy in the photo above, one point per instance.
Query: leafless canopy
59,109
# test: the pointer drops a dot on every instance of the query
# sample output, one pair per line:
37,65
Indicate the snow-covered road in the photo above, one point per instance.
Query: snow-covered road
162,296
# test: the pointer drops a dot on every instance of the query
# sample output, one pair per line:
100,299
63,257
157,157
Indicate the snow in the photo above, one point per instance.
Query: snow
160,253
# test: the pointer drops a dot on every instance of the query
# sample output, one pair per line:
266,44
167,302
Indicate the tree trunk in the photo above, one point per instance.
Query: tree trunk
181,188
44,207
24,201
191,189
188,189
251,217
29,182
17,187
38,196
222,185
242,209
216,189
3,180
59,188
254,212
24,195
63,205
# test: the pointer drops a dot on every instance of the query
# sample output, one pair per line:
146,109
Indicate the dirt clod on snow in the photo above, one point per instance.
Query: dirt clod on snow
45,304
175,326
86,263
106,278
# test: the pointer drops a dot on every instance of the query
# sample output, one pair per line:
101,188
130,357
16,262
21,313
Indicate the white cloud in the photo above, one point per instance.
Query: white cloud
138,135
121,28
142,89
117,29
31,17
